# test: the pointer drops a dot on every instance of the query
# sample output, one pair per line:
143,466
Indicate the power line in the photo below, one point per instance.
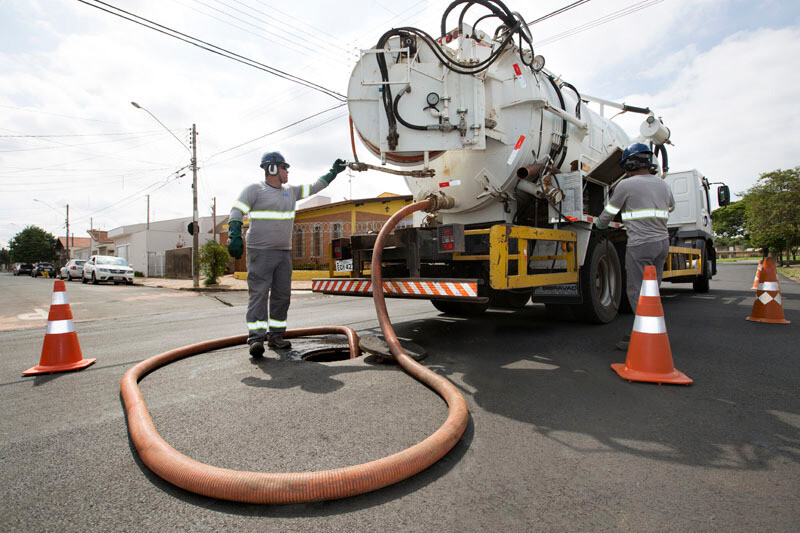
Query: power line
633,8
558,11
275,131
84,134
210,47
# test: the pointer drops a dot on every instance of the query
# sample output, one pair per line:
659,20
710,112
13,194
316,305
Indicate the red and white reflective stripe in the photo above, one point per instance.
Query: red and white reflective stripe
419,288
519,77
649,288
451,183
59,298
516,150
649,324
60,326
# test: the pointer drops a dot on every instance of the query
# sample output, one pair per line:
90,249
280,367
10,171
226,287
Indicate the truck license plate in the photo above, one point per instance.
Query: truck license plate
344,265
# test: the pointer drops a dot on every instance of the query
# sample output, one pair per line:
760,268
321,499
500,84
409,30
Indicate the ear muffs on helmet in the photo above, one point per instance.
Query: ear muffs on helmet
272,169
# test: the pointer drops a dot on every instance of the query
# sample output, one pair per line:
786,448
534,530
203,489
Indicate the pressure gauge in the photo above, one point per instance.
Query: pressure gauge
538,63
433,99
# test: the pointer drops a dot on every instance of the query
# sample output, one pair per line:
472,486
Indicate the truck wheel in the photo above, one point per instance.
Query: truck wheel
601,284
510,299
701,283
450,307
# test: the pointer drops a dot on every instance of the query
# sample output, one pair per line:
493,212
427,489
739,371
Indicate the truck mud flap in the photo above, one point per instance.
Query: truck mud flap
563,293
439,289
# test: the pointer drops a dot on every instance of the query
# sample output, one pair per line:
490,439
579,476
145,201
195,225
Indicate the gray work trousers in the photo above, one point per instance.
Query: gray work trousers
638,257
268,269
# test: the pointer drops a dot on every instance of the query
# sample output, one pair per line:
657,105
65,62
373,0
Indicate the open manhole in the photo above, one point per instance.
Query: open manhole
320,349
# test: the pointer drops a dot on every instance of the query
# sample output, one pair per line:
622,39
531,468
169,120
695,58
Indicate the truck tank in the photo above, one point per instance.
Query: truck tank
474,130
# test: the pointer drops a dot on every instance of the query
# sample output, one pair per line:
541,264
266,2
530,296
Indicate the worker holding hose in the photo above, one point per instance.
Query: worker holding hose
270,207
645,201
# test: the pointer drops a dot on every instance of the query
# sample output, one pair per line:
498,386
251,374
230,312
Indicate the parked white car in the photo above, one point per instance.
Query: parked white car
107,268
72,270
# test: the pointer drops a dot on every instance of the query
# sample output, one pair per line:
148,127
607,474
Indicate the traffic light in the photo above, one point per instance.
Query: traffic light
190,228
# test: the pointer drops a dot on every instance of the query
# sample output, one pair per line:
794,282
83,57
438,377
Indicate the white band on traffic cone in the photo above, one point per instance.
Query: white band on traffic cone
60,326
649,288
649,324
59,298
769,286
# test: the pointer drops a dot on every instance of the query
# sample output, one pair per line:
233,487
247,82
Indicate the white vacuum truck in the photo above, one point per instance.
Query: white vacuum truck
520,167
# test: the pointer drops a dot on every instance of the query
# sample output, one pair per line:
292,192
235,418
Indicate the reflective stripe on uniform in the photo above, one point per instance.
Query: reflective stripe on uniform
611,210
259,324
768,286
306,191
649,324
271,215
645,213
277,323
60,326
649,288
59,298
244,208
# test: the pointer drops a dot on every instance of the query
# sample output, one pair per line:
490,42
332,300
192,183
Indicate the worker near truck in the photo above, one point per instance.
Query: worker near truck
270,207
645,202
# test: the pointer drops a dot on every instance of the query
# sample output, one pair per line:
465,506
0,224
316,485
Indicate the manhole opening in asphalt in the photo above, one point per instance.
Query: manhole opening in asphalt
326,355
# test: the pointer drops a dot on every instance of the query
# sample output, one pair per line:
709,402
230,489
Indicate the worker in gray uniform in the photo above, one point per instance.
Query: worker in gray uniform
645,201
270,207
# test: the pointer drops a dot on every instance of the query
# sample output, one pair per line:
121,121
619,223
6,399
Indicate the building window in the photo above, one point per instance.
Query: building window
298,244
317,236
336,230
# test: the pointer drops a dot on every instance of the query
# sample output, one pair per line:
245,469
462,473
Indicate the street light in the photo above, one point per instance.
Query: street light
66,235
195,224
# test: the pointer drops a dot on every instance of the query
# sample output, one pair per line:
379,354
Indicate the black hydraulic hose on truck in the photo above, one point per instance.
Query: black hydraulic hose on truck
297,487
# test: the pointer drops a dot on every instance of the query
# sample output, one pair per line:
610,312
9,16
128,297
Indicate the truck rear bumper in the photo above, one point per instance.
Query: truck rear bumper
427,289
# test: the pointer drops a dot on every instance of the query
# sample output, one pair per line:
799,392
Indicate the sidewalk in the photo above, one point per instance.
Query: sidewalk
226,283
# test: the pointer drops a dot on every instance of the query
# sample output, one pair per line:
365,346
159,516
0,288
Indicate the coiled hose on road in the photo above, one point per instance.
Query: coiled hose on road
296,487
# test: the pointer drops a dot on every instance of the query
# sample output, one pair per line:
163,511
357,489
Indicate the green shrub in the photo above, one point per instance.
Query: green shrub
213,259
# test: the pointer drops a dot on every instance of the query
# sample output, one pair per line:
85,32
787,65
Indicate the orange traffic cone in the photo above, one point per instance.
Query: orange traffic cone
758,273
61,351
649,356
768,307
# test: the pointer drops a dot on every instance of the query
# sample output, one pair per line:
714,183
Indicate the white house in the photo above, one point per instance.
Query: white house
143,245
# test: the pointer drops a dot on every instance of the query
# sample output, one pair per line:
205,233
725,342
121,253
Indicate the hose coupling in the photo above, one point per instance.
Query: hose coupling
438,201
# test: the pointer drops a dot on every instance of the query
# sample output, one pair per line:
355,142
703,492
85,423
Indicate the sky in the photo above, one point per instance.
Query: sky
723,75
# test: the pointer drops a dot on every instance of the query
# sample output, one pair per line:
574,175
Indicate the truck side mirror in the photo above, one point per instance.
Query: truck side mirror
723,195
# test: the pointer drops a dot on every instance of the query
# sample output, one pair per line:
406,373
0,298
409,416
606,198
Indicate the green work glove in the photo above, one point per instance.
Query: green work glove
338,166
235,243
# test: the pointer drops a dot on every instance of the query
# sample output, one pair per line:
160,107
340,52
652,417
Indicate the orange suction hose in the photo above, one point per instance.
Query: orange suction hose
297,487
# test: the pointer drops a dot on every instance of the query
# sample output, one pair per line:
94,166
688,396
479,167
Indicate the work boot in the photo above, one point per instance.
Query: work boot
257,349
278,342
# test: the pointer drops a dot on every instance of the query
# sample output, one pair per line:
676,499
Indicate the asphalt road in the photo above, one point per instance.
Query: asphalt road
556,440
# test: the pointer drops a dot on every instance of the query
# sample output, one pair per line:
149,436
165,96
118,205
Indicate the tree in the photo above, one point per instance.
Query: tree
773,211
5,257
32,245
730,224
213,259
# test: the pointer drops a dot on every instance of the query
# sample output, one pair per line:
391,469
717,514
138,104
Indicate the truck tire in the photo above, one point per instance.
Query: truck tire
601,283
456,308
701,283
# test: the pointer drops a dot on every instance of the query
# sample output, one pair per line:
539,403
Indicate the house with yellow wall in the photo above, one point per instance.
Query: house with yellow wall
317,221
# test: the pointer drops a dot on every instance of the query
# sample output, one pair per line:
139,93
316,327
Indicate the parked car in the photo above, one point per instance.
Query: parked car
22,268
45,270
107,268
73,269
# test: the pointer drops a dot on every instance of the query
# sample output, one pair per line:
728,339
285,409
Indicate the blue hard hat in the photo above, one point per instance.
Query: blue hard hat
273,158
635,149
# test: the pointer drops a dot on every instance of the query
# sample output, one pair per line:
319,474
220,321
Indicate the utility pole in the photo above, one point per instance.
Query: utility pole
195,225
67,233
214,216
148,211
